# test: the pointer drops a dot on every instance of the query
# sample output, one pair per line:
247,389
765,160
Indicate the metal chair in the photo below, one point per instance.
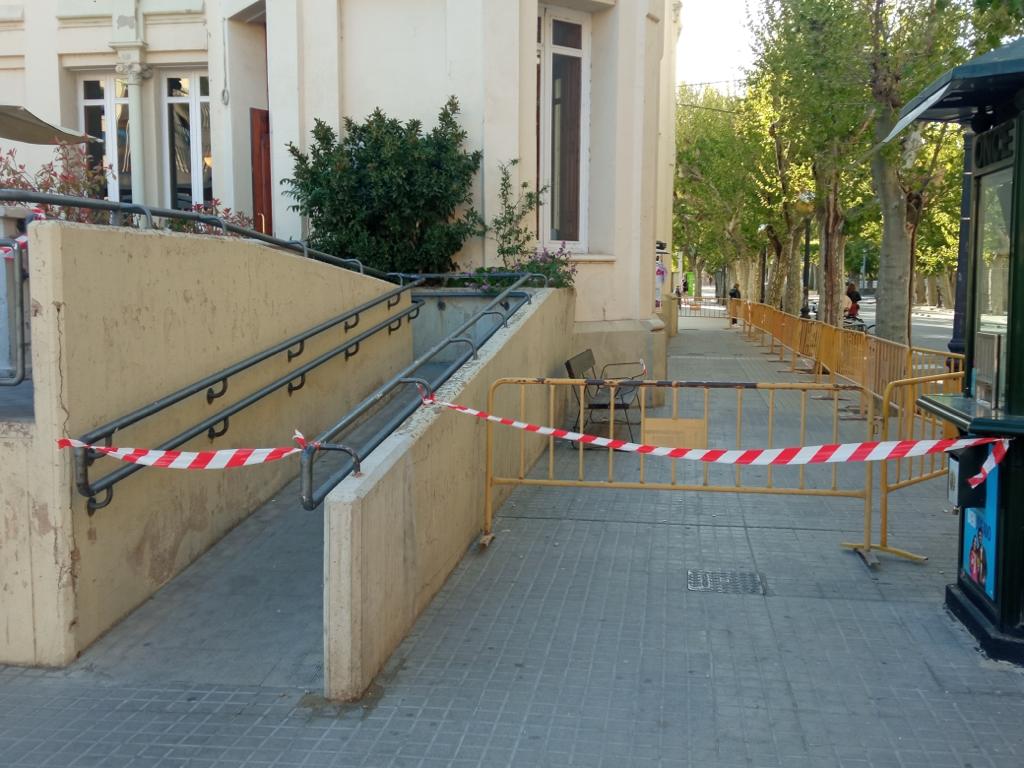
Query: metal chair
598,397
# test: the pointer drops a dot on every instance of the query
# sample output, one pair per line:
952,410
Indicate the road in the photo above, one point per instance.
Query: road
932,330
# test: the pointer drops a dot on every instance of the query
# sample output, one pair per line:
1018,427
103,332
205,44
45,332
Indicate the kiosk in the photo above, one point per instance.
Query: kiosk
987,95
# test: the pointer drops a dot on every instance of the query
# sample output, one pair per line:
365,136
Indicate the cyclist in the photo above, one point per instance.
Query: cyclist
852,310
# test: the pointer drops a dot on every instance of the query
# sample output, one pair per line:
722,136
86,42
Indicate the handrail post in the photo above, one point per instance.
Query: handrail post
488,533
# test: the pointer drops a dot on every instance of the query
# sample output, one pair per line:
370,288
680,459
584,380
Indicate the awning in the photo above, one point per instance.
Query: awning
18,124
909,116
984,82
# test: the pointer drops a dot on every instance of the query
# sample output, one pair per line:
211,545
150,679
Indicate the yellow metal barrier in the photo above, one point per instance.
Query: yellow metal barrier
868,361
697,415
690,306
902,419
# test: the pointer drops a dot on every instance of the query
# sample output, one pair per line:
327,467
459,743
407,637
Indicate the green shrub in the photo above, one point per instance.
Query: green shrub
515,240
386,193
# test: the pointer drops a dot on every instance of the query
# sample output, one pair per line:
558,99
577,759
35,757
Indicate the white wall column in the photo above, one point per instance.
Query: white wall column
128,40
502,108
135,72
284,74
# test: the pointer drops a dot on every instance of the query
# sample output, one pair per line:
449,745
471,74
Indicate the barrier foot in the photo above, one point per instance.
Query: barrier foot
485,540
866,552
902,553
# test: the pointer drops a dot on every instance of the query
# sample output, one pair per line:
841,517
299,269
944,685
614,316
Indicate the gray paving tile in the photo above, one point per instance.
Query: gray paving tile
573,641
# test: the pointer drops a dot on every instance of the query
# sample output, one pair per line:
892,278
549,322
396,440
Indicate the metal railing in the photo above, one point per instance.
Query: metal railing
18,350
510,300
866,360
903,419
698,414
216,386
473,277
691,306
150,213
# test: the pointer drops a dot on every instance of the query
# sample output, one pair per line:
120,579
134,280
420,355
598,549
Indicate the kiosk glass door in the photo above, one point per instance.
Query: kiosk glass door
991,286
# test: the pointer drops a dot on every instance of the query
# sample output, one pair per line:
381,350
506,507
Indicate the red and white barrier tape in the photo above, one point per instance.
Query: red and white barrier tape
223,459
8,253
836,453
759,457
999,447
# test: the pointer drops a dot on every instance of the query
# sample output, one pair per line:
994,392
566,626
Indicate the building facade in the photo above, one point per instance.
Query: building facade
197,100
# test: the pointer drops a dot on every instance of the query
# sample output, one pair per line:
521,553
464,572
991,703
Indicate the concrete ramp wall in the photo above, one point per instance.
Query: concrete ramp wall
394,535
120,318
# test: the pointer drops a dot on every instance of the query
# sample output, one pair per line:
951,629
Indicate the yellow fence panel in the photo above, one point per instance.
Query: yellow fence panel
722,415
902,419
865,360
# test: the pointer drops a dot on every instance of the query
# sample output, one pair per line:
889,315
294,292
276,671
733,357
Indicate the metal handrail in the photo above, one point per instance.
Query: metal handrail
312,496
151,212
478,276
84,457
220,377
18,352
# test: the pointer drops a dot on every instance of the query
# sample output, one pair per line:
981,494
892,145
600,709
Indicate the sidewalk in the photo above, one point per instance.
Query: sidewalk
573,640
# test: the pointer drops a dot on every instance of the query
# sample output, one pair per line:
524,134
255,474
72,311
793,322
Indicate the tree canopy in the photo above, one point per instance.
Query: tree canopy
800,143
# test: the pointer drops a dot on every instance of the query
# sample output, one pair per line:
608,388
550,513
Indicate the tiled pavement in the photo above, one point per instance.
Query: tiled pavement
574,640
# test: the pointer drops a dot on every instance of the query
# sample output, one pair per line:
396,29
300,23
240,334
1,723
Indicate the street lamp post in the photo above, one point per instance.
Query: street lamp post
805,207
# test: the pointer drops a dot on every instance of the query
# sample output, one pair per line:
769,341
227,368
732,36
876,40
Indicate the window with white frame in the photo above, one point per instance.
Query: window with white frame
564,125
187,156
103,113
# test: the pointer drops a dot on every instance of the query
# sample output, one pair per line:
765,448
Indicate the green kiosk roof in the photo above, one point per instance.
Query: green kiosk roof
990,79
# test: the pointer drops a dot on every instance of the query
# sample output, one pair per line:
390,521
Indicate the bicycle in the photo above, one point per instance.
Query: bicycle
857,324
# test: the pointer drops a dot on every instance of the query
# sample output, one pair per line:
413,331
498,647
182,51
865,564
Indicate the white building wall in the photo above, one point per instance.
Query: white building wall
308,59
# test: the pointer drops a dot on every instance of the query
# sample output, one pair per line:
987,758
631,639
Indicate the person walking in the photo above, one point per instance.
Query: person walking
734,293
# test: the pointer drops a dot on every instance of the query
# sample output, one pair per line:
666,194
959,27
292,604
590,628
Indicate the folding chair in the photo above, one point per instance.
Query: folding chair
598,397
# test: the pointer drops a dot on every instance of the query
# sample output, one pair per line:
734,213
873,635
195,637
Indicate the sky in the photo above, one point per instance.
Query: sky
714,44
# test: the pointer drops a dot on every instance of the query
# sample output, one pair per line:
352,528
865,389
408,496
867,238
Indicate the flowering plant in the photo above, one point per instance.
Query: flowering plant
212,208
555,265
71,172
74,172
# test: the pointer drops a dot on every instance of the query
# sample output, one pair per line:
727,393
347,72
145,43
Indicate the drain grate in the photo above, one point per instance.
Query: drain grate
728,582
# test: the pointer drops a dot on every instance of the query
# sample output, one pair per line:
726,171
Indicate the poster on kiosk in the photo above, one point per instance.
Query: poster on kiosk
980,525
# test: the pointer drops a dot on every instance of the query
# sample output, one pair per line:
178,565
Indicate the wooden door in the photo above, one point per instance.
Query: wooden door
262,187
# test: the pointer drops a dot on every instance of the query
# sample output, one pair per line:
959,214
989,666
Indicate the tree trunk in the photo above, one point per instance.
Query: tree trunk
893,312
794,299
746,275
741,267
819,269
832,223
921,296
779,269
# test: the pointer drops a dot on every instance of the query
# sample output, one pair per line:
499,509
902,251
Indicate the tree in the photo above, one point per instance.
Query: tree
829,80
779,177
388,194
714,208
809,53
